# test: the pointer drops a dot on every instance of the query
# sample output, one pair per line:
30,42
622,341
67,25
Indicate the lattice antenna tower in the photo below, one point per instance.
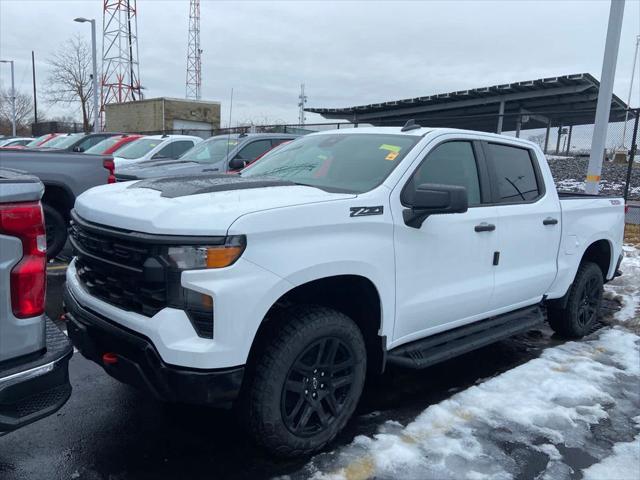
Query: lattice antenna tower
194,53
120,80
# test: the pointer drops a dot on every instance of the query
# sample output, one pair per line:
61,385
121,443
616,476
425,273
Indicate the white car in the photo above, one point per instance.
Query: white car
154,147
15,141
336,255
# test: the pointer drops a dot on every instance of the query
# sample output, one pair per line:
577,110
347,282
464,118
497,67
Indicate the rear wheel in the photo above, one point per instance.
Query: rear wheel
581,312
307,381
56,230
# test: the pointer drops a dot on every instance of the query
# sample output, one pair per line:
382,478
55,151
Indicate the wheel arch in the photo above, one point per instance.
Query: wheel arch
59,197
354,295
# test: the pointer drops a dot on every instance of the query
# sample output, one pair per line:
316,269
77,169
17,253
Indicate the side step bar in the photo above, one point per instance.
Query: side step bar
443,346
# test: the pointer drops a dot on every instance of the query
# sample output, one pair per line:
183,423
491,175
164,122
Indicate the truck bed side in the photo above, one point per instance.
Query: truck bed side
585,221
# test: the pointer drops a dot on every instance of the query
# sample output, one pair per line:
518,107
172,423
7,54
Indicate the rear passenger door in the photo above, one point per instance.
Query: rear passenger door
528,226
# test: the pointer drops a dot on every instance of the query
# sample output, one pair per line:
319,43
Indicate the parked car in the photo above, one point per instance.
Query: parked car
77,142
221,153
41,140
154,147
14,141
339,254
110,145
34,353
65,175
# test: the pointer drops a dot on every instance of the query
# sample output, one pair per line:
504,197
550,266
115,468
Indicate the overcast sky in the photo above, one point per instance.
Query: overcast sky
346,52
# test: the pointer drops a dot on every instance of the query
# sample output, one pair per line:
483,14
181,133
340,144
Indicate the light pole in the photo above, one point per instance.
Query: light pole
96,112
13,99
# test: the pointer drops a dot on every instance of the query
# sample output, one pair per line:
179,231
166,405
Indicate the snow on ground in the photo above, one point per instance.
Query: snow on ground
575,409
624,463
628,288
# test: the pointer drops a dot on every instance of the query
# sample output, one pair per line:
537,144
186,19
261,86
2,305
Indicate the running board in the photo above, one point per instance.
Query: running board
443,346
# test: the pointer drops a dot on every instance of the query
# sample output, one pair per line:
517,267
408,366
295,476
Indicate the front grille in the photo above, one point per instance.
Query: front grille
119,271
130,270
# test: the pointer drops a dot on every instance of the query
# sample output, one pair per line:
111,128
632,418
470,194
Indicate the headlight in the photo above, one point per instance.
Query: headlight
208,256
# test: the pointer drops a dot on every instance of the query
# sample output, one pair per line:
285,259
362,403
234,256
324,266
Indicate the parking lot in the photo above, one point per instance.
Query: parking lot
110,431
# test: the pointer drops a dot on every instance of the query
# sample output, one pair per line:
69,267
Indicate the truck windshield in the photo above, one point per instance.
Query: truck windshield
139,148
354,162
211,151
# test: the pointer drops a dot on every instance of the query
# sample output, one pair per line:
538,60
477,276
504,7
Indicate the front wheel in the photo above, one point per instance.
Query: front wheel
307,381
581,312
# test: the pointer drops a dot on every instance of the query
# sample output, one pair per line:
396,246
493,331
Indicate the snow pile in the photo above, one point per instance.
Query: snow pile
575,408
623,464
627,287
547,404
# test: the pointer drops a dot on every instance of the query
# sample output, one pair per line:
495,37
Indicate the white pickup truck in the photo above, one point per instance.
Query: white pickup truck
332,257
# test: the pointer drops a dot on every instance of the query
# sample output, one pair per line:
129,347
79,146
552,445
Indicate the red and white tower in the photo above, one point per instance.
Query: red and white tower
194,52
120,81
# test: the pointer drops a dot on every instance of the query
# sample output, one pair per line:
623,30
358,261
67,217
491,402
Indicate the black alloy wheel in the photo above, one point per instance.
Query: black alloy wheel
317,386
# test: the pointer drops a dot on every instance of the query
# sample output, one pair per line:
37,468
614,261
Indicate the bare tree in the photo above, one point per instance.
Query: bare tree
70,81
24,112
539,139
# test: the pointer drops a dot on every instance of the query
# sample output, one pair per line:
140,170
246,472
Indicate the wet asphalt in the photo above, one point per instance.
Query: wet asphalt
109,431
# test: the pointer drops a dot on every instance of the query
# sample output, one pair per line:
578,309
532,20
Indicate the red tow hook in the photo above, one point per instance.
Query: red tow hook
109,358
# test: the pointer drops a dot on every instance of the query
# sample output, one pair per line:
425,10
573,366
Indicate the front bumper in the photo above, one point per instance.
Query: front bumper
37,386
135,361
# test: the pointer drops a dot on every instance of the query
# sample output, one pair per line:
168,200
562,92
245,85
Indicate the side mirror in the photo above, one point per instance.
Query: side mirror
237,163
433,199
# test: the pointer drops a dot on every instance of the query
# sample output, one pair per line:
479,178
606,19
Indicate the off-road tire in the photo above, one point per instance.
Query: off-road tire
581,311
56,229
264,406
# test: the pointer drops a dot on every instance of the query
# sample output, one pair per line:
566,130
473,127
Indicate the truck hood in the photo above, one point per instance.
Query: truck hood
184,207
161,168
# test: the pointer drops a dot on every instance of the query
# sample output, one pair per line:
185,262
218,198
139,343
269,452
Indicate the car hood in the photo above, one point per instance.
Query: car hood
191,206
162,168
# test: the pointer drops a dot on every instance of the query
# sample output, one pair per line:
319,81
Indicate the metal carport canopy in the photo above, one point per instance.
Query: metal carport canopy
547,102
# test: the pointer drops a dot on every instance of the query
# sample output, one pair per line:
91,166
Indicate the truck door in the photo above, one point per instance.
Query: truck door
444,271
528,226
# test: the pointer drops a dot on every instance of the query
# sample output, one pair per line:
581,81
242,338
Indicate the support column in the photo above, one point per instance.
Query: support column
518,123
568,150
500,117
605,93
546,136
558,140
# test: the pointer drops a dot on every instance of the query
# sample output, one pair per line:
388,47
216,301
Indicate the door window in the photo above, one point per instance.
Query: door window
516,176
165,152
450,163
254,150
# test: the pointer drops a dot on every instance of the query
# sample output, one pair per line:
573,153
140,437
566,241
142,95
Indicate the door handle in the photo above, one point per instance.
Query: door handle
485,227
550,221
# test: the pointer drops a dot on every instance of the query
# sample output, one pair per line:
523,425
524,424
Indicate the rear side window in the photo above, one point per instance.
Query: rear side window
254,149
180,147
514,172
451,163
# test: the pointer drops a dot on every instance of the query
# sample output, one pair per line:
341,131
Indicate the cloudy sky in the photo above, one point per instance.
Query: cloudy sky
346,52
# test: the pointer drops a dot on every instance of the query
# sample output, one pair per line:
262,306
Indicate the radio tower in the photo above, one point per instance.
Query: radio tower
194,52
120,70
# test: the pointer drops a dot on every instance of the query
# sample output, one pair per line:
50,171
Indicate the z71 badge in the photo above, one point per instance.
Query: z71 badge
364,211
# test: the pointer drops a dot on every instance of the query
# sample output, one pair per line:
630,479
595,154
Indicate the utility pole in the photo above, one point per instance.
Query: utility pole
96,109
303,101
633,74
35,98
13,98
605,93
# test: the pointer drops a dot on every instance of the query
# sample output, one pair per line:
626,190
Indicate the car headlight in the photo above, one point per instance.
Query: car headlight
208,256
